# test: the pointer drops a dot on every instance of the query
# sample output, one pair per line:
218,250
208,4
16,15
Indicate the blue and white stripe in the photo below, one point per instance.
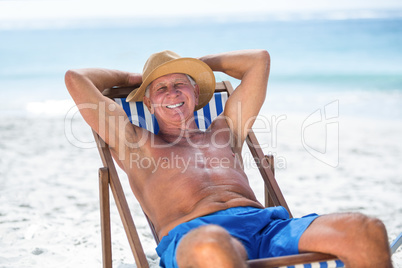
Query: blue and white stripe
325,264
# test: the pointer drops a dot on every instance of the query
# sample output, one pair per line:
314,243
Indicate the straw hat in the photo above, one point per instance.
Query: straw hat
168,62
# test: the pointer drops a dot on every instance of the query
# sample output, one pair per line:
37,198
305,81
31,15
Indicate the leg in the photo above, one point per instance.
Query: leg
210,246
357,240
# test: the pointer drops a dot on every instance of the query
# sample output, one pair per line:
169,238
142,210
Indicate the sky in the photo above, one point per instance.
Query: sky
17,10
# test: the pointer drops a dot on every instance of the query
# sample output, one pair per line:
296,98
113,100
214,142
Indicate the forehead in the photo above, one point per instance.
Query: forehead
168,78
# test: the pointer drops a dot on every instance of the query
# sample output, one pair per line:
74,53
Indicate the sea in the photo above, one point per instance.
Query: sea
332,119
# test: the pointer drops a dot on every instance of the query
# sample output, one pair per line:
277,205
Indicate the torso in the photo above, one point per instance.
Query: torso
191,178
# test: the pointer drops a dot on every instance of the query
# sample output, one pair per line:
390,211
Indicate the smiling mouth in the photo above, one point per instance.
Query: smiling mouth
175,105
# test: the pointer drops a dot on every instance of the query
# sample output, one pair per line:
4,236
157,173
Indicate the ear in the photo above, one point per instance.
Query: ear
147,102
196,93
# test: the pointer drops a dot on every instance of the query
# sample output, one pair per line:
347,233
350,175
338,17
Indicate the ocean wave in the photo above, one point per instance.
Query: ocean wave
49,108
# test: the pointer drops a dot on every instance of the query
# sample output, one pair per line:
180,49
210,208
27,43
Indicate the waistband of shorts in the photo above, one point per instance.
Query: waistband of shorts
234,211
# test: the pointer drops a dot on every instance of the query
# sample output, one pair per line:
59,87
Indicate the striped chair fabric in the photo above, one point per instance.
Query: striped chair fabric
324,264
139,114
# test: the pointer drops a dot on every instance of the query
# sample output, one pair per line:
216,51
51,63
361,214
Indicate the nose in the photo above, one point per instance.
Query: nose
173,91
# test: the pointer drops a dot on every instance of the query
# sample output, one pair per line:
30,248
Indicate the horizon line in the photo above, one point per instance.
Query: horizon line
168,21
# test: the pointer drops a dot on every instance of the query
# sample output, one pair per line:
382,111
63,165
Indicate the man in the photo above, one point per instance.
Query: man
205,212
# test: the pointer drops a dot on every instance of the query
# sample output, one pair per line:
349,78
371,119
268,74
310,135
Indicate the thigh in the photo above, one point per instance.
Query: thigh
328,232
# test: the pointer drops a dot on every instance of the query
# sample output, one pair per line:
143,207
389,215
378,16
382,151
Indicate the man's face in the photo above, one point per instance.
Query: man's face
172,97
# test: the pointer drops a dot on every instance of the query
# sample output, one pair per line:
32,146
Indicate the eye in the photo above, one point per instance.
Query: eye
180,84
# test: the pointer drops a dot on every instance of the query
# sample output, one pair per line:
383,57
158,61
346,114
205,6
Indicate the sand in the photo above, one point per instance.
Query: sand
49,208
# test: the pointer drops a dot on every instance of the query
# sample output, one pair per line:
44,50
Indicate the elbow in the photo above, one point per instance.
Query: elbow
71,78
264,55
262,61
265,59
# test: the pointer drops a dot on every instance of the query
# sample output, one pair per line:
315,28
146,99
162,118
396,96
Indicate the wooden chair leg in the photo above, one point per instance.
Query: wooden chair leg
268,199
122,207
105,217
291,260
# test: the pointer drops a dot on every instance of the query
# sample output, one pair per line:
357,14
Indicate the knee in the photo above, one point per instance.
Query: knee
377,234
370,241
367,227
203,240
363,234
374,226
212,237
206,246
358,240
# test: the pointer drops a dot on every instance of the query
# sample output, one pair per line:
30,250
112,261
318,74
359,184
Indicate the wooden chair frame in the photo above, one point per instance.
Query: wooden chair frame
108,178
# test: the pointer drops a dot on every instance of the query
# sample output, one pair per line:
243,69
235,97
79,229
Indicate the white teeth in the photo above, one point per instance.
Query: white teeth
175,105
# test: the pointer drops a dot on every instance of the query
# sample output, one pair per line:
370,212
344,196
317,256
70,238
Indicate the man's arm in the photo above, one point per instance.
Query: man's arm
101,113
252,68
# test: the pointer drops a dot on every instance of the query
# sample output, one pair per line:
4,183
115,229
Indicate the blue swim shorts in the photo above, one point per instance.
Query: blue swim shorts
264,232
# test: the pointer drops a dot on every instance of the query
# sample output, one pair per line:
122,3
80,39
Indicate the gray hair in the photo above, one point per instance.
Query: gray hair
192,81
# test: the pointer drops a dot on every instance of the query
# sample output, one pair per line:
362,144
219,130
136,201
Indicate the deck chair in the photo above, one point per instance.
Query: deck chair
108,178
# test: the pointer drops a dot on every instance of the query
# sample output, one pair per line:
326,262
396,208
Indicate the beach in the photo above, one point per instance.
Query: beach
332,120
50,206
